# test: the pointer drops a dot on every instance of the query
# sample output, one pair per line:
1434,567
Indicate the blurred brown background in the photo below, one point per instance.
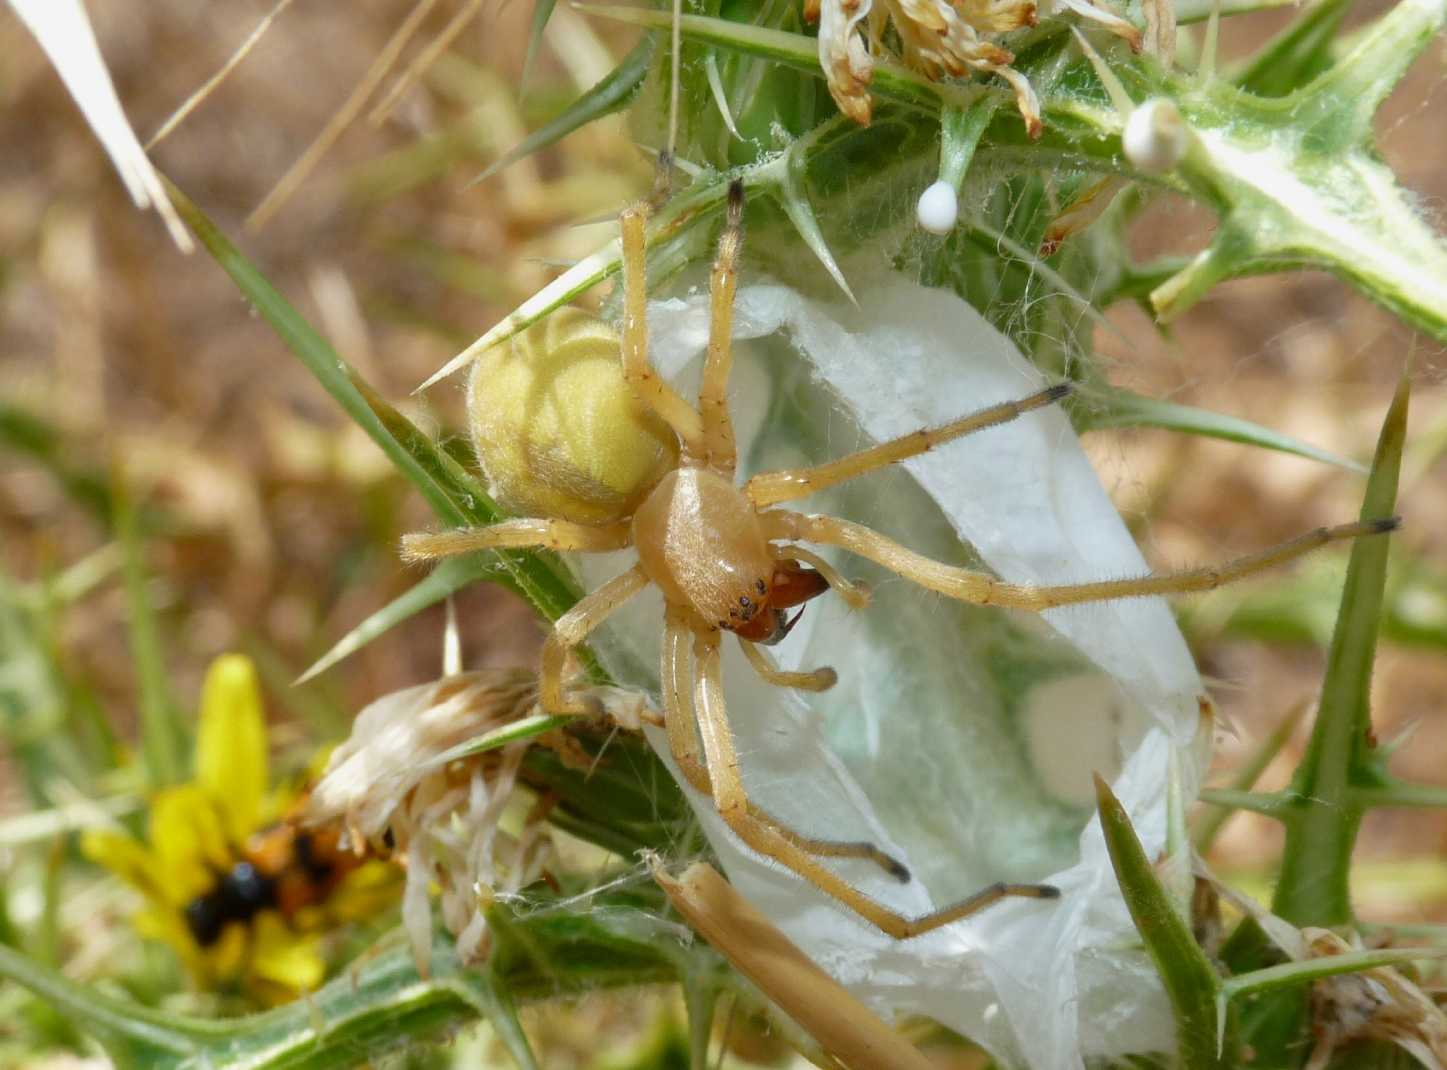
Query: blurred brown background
280,520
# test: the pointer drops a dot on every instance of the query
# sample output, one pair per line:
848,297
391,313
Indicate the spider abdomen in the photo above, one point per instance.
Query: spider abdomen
557,430
699,540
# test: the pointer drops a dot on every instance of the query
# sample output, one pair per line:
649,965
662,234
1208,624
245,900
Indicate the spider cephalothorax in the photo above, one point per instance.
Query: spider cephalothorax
723,556
699,539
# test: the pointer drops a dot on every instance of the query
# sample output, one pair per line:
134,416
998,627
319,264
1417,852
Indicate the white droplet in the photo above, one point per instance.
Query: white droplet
1155,136
938,208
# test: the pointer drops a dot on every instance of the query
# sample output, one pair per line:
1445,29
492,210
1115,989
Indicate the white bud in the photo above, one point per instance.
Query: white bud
938,208
1155,137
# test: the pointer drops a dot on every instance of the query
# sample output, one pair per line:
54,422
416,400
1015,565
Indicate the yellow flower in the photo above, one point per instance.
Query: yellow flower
242,895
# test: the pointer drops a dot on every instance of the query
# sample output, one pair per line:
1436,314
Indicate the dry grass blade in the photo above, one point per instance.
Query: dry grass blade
844,1027
384,62
194,100
418,66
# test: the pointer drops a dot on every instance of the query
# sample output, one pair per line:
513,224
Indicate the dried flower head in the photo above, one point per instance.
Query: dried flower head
391,782
1377,1004
937,38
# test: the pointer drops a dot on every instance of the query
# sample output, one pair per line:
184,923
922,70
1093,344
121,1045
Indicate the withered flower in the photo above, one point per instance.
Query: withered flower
1377,1004
391,784
937,38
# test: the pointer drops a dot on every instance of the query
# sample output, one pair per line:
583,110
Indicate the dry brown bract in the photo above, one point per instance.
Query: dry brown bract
1379,1004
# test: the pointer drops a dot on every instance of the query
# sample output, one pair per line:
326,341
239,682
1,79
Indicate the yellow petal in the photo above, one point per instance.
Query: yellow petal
190,843
231,743
284,957
226,958
366,892
124,856
167,926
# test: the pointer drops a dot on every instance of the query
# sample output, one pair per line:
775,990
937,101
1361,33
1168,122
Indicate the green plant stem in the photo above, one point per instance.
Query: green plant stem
381,1003
1396,793
1292,974
162,736
1210,825
1270,805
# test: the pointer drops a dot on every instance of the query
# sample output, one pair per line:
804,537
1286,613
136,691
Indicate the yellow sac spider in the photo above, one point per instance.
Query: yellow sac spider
723,557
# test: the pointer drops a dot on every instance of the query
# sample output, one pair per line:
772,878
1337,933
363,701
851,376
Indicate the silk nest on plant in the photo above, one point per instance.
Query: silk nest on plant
960,738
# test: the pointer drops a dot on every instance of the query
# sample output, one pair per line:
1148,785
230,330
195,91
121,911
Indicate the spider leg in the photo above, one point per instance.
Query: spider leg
770,488
572,628
678,702
983,589
650,389
683,743
767,839
517,534
856,595
713,401
819,680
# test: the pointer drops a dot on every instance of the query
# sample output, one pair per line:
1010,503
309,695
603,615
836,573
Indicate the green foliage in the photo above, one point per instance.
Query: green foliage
28,435
1281,149
382,1004
162,737
1342,774
1189,979
605,98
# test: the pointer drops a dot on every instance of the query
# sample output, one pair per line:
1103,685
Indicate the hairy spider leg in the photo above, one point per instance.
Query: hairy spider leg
769,839
787,484
683,744
821,679
572,628
638,372
983,589
518,534
713,400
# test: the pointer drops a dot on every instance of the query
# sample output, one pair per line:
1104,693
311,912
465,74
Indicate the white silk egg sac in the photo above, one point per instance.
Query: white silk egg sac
1155,137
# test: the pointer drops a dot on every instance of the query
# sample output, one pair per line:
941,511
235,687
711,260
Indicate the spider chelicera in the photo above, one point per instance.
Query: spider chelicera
725,559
